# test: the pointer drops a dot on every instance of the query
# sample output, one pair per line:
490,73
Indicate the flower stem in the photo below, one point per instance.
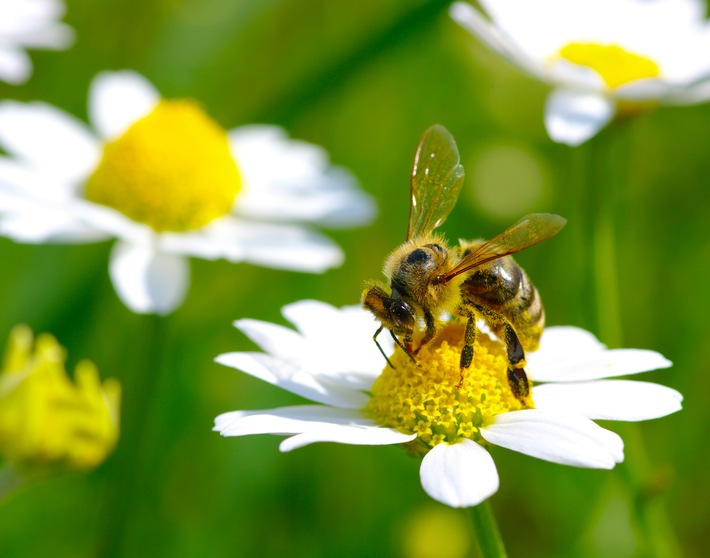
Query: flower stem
608,175
10,482
485,527
607,149
140,379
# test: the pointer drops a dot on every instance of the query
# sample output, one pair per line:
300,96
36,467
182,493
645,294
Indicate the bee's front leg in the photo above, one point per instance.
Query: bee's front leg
430,331
406,347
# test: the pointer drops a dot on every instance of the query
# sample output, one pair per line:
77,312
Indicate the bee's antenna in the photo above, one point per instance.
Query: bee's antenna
374,338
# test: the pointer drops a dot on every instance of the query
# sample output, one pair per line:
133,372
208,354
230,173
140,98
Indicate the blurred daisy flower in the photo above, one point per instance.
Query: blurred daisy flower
47,422
332,361
29,24
602,57
167,182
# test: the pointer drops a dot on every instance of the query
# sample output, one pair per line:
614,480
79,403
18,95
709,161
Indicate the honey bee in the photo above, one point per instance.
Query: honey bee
429,280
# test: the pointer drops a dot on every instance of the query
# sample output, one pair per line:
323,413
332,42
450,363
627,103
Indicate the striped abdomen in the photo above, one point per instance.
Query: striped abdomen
503,289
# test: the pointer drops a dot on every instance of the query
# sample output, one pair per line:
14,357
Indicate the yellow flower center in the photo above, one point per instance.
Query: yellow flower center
425,399
616,65
172,170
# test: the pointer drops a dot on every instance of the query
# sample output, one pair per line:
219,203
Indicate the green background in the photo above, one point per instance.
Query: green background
364,80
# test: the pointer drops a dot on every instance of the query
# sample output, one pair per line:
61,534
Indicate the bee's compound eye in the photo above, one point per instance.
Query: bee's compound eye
418,256
402,314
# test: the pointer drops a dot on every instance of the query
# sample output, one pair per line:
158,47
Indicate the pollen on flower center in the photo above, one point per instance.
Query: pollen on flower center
616,65
426,400
172,170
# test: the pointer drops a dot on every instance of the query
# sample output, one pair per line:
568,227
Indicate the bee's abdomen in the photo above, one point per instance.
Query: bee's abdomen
504,288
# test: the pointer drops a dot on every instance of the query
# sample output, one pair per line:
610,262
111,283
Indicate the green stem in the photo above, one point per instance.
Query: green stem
605,149
140,380
485,527
10,482
609,155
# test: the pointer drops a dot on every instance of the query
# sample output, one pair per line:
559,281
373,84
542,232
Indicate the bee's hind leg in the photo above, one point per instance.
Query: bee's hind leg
517,378
469,338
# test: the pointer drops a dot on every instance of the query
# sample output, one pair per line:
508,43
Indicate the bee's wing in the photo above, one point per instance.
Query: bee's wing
436,180
527,232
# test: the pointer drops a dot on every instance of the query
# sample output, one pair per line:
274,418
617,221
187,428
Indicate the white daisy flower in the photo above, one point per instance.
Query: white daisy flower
600,56
332,361
167,182
29,24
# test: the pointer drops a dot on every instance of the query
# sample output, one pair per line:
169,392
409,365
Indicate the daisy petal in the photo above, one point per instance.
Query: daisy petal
353,435
48,139
593,366
572,117
274,339
564,438
285,375
117,100
15,65
643,90
459,475
473,21
285,420
37,225
699,92
326,327
609,399
564,341
146,281
312,318
291,180
285,247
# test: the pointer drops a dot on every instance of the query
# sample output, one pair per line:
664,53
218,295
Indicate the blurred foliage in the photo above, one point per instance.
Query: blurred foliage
363,79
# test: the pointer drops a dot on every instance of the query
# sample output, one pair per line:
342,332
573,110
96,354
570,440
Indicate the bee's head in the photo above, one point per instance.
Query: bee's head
395,314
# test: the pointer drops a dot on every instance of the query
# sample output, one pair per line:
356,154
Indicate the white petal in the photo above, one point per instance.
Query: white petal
290,180
113,222
274,339
117,100
201,243
575,77
597,365
698,92
643,90
313,318
472,20
15,65
54,36
279,246
48,139
353,435
572,118
563,438
563,341
459,475
285,375
41,225
344,355
146,281
311,423
286,420
609,399
336,332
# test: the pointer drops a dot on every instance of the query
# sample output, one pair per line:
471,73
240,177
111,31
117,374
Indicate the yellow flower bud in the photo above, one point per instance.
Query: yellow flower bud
47,422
